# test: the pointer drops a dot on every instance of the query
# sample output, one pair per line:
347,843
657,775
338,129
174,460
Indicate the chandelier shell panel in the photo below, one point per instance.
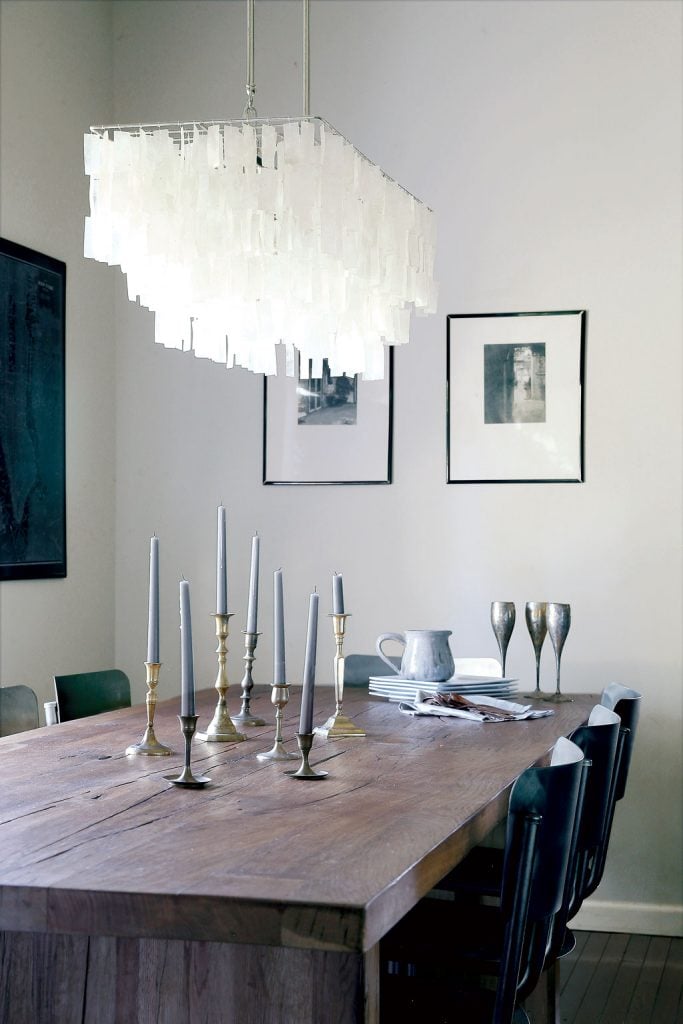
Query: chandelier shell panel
241,235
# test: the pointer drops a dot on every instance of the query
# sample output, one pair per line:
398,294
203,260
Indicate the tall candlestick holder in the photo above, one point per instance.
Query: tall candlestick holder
339,724
188,724
221,728
149,744
279,697
304,771
245,716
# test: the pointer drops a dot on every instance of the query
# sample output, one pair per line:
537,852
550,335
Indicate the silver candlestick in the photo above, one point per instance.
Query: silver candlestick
304,771
279,697
188,724
245,716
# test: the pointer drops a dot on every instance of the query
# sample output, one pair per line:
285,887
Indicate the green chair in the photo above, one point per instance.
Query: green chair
91,693
18,710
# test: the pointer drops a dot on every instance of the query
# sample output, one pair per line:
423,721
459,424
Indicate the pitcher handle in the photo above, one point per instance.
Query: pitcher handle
399,638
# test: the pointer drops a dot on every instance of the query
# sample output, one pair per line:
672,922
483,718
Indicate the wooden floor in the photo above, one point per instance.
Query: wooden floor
622,979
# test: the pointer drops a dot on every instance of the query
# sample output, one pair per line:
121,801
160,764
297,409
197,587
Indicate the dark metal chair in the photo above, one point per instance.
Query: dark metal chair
625,702
599,741
607,743
18,709
91,693
359,667
425,957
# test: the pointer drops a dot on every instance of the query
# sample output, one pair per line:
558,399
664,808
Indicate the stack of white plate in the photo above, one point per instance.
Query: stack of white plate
396,688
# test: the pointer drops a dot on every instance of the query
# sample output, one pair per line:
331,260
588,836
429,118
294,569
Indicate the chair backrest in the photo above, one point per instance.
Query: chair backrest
359,667
626,703
541,819
598,740
477,667
90,693
18,709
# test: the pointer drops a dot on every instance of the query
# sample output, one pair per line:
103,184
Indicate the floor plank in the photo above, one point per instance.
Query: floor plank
598,991
622,979
668,1006
647,986
585,963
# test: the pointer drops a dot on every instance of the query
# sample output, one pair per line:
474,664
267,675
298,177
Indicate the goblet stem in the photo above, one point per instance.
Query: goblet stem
559,622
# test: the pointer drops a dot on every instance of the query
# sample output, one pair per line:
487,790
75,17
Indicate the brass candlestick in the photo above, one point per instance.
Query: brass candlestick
279,697
339,724
245,716
149,744
188,724
304,771
221,728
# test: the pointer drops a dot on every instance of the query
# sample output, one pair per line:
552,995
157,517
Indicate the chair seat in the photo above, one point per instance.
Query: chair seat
439,1000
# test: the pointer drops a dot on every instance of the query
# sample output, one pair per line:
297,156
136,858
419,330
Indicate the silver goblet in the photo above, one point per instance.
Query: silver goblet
559,621
503,622
536,622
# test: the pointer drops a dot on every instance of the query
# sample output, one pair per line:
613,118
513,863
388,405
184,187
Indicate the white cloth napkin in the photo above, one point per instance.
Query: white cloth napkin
476,708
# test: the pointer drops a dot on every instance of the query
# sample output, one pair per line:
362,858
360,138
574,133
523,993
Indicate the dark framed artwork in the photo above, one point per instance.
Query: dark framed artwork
320,429
32,432
515,402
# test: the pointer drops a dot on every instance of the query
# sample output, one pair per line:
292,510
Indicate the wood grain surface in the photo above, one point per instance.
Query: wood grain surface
257,900
96,842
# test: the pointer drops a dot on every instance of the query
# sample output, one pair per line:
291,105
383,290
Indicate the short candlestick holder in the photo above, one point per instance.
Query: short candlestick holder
279,697
221,728
245,716
188,724
149,744
304,771
339,724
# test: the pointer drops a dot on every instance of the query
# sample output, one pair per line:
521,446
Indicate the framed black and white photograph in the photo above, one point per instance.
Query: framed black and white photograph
320,429
32,441
515,397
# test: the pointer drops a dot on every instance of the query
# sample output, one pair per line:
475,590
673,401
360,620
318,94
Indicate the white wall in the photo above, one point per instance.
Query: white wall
547,137
55,81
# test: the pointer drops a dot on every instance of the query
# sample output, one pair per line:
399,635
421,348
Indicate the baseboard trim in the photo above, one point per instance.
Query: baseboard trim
630,918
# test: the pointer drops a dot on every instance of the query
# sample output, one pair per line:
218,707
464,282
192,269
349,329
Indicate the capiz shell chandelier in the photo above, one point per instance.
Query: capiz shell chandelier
243,234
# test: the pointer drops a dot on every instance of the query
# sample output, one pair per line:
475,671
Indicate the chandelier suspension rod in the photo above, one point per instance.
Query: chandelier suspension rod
250,109
306,59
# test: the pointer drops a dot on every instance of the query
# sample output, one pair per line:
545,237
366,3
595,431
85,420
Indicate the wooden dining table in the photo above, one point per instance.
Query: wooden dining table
258,899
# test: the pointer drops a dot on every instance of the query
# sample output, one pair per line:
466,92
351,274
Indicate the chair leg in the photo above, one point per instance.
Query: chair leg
543,1004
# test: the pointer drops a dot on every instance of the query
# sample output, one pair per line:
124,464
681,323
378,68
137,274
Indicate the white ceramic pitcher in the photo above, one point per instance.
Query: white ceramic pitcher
427,656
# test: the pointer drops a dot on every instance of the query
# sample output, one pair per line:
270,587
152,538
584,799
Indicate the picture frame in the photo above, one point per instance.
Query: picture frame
515,397
32,414
322,430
